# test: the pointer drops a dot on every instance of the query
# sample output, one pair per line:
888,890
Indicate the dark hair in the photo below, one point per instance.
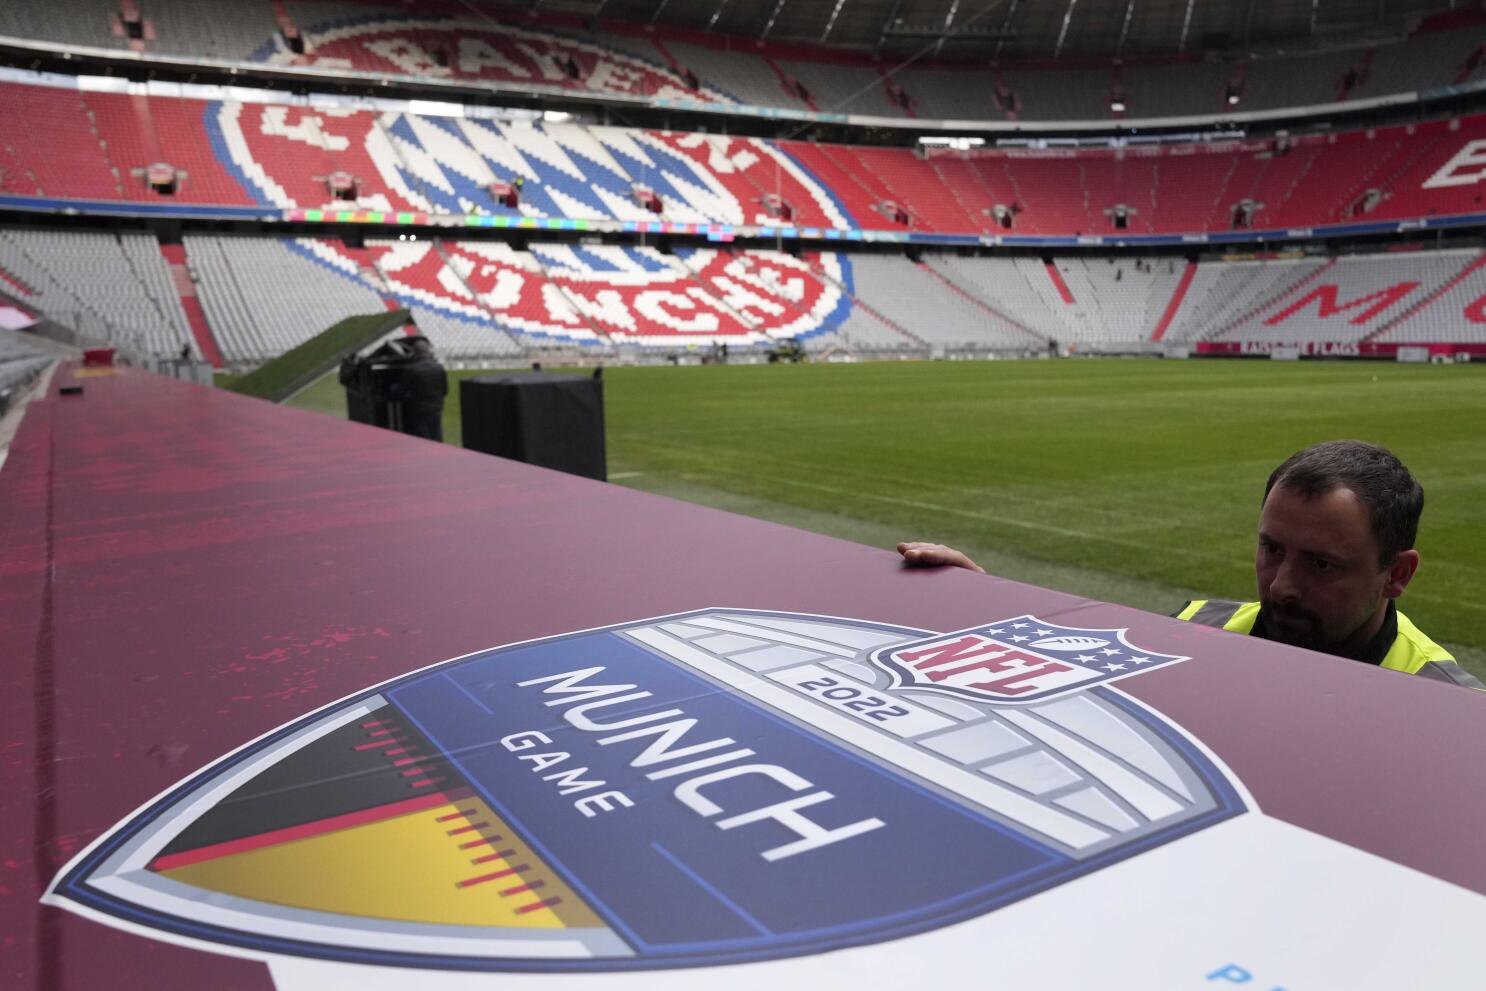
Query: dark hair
1392,497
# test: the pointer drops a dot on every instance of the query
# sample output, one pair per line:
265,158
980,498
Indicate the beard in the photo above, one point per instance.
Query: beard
1294,626
1300,627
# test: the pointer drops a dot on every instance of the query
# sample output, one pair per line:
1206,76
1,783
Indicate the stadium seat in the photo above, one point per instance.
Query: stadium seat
111,288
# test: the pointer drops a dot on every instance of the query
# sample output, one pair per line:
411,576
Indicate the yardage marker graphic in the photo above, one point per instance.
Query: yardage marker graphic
696,789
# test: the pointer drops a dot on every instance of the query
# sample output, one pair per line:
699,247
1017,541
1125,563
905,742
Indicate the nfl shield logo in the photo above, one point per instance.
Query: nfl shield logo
1018,660
687,790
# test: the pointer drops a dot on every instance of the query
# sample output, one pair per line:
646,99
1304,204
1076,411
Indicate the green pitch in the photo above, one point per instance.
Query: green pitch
1135,481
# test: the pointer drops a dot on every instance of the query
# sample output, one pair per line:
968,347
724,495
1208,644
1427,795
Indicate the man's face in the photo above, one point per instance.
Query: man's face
1320,584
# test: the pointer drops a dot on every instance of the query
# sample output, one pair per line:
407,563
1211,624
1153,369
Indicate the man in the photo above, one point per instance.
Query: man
1335,550
424,386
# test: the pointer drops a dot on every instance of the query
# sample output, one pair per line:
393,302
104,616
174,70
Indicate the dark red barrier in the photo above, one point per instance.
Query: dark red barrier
186,570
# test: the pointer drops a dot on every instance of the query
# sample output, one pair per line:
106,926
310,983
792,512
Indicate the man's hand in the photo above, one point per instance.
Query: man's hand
918,554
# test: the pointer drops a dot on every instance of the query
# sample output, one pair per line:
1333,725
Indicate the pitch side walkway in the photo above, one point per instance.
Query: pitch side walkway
183,570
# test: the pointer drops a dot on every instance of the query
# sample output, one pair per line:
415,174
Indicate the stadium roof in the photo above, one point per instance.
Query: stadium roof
976,29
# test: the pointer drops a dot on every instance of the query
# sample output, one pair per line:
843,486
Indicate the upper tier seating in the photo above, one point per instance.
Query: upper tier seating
1428,60
742,76
1183,90
81,22
228,31
425,40
97,146
1300,81
952,93
1070,94
842,88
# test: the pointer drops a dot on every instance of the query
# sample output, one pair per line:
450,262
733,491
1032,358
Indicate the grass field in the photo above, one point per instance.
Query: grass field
1135,481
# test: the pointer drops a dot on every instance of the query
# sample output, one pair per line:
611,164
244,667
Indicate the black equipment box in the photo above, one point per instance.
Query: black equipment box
550,420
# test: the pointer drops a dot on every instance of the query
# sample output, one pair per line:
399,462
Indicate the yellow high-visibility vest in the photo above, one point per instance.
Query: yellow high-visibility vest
1412,652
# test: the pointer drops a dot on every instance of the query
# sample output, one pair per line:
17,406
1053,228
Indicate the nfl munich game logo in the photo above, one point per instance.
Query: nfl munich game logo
709,787
1017,660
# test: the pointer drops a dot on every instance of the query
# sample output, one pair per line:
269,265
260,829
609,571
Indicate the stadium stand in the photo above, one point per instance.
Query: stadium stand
1180,90
1358,296
68,159
941,313
240,300
1428,60
484,300
1224,294
1454,313
1305,80
842,88
387,39
1069,94
1117,301
863,328
231,31
97,146
82,22
263,297
1102,303
112,288
743,76
513,292
489,287
952,93
21,360
769,290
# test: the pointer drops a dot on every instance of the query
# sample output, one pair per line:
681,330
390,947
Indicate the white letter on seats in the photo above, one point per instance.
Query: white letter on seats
1471,157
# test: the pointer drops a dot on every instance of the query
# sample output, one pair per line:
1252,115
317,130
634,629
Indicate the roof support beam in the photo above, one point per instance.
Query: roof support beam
888,23
1006,25
716,13
772,18
835,12
949,20
1063,31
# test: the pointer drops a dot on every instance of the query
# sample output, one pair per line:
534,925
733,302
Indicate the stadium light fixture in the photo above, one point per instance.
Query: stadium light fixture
957,143
102,84
1233,99
435,108
556,116
1117,105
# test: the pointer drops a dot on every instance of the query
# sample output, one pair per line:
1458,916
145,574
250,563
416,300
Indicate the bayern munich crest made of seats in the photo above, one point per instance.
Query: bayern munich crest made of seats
707,787
442,165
